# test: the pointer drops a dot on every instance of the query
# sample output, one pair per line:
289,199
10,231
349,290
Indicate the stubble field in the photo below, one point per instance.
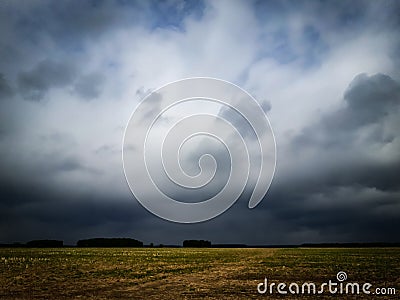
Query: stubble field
189,273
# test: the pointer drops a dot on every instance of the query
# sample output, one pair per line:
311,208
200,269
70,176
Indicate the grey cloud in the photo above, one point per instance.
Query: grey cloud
48,165
40,166
266,106
336,181
55,163
47,74
142,92
371,106
190,165
238,121
333,178
89,86
341,213
368,100
44,30
42,213
108,149
69,22
68,164
152,105
5,89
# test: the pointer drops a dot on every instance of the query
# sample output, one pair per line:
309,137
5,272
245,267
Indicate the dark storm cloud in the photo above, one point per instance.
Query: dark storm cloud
336,213
39,212
335,181
357,134
41,172
368,100
343,177
366,125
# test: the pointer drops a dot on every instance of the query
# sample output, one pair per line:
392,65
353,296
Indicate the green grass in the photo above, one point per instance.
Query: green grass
168,273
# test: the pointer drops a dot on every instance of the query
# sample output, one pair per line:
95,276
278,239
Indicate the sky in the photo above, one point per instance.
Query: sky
325,73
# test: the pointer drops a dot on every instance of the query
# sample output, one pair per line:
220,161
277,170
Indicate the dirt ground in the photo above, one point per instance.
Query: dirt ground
188,273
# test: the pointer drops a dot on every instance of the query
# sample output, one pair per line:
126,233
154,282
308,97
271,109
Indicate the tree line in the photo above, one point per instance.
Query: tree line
104,242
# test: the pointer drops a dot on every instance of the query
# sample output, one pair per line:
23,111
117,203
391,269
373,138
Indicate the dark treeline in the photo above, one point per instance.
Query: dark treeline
109,242
229,246
350,245
197,243
36,244
45,243
129,242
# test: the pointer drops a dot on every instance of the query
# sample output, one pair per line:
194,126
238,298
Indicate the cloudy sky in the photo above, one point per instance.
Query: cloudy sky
326,73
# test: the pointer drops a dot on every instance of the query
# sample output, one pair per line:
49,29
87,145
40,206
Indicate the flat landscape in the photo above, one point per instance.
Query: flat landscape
189,273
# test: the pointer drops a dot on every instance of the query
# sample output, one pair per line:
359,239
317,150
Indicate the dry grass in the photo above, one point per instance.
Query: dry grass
164,273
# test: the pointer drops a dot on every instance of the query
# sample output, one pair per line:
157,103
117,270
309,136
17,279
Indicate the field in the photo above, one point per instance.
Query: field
188,273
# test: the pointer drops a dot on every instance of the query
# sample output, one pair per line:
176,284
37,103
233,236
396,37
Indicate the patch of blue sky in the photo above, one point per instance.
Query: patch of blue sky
314,47
280,47
275,39
308,47
171,14
306,50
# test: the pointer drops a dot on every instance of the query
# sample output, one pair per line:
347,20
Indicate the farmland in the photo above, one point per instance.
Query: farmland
187,273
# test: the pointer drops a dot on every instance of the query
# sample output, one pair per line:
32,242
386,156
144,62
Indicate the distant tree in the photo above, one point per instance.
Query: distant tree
13,245
196,243
109,242
45,243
